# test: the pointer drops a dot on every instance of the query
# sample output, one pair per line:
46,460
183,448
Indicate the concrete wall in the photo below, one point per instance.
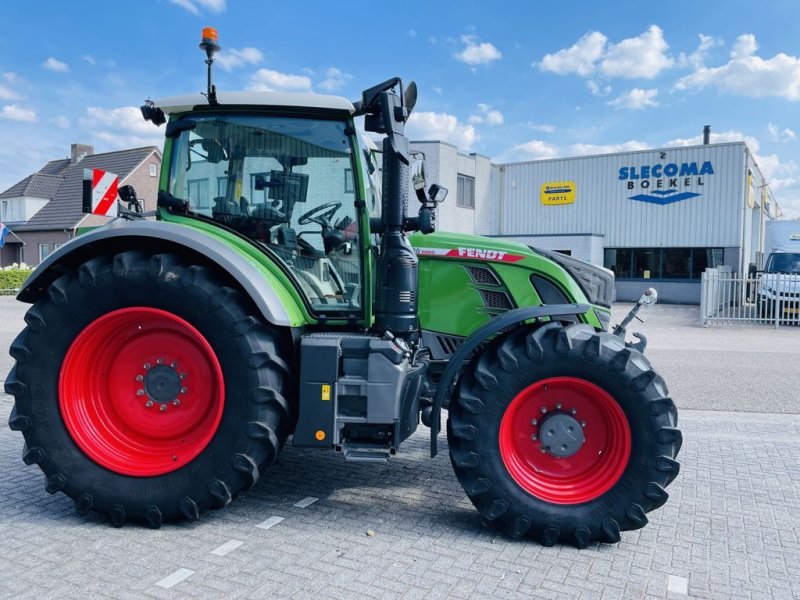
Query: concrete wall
146,186
30,251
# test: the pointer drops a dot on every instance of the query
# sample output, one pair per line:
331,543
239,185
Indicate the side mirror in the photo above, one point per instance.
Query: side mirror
437,193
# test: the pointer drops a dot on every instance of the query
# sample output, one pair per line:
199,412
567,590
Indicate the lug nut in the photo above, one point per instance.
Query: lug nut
140,392
184,390
139,378
544,448
173,364
146,365
163,407
534,421
160,361
543,409
149,404
534,437
183,375
558,406
573,411
176,402
583,423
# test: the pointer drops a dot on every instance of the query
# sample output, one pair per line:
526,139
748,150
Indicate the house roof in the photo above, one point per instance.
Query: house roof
64,211
37,185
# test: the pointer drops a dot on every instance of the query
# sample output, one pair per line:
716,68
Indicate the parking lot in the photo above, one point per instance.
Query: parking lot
318,527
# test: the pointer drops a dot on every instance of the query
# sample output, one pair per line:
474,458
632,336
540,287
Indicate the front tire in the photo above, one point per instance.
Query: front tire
146,389
604,405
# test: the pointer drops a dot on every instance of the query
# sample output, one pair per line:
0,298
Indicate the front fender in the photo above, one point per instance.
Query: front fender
262,286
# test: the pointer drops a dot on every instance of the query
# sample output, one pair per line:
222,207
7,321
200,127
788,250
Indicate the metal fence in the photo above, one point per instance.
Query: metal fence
767,298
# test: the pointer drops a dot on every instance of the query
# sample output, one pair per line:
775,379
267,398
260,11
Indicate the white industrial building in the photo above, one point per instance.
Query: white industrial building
655,217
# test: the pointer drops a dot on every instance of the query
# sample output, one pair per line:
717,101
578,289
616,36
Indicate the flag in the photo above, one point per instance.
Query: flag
4,231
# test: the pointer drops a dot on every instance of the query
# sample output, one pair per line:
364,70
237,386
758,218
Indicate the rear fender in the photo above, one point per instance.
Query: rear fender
167,237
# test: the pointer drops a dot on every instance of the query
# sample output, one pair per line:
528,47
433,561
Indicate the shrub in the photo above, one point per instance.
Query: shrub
11,279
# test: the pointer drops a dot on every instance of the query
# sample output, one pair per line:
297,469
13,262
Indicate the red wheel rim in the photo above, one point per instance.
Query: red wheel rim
588,473
141,392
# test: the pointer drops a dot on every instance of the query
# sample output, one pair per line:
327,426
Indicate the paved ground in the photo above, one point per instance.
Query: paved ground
731,528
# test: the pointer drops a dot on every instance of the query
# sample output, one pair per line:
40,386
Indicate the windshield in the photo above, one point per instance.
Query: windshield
783,263
286,183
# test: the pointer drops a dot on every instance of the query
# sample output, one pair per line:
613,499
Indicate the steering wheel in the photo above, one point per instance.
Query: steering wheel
326,212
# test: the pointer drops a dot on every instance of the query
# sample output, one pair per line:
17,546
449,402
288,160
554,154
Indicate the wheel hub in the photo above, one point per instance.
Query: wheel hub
162,384
561,435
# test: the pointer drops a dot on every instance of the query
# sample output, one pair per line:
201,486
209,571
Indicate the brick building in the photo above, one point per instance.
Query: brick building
43,211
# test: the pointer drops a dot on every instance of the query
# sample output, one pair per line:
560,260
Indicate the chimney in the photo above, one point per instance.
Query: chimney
707,134
78,151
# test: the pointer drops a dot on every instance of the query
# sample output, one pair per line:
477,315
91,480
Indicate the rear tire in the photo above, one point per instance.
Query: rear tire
596,488
156,423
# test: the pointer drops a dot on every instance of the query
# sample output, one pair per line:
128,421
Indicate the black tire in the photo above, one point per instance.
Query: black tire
255,361
511,364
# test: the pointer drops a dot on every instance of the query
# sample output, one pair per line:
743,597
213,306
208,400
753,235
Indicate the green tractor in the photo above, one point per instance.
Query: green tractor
279,296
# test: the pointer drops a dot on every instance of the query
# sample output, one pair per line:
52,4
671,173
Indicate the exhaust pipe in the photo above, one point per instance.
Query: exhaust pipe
707,135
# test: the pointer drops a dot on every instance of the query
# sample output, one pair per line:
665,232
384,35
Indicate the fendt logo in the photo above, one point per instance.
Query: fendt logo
667,179
474,253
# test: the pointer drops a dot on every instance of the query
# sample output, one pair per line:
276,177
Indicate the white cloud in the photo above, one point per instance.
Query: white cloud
487,115
697,58
747,74
635,99
267,80
643,56
12,112
580,58
597,89
89,59
121,127
477,53
61,122
441,126
9,76
533,150
194,6
335,79
629,146
544,128
6,93
53,64
233,58
745,46
780,135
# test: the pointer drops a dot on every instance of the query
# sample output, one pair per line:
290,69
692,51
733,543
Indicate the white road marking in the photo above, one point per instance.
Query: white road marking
269,522
227,547
175,578
306,502
678,585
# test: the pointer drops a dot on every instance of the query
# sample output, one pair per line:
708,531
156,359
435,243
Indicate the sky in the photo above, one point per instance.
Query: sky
511,80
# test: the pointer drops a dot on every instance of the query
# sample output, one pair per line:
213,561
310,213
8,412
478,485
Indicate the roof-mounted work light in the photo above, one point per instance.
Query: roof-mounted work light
210,44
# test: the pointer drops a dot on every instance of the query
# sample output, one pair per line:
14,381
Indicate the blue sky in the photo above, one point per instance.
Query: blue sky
514,81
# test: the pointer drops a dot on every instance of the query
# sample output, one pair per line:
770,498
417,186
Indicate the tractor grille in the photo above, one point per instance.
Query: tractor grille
496,300
482,276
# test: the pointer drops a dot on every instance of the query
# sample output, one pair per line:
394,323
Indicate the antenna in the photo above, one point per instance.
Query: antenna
210,44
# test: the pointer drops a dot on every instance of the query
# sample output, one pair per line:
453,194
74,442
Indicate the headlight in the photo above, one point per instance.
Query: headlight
596,282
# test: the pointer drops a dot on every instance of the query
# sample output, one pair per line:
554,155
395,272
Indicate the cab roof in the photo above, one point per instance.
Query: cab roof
185,103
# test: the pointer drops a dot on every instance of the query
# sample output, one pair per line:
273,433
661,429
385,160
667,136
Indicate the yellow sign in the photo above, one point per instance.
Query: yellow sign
558,192
326,392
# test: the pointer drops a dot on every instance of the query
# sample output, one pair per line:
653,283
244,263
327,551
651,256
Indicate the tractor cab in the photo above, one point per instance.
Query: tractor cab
287,182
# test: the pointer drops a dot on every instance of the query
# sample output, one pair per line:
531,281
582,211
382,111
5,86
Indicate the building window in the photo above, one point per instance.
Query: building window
465,196
348,181
222,187
661,263
3,210
153,170
198,192
44,250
